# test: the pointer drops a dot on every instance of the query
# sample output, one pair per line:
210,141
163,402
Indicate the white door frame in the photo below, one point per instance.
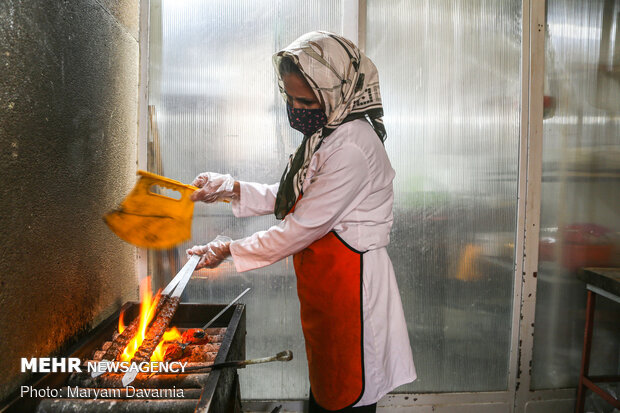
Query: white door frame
518,397
143,116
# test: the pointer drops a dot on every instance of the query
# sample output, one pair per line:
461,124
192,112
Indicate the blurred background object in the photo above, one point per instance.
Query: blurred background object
580,210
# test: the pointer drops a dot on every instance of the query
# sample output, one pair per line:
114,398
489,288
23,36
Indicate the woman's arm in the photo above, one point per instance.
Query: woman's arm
254,199
339,185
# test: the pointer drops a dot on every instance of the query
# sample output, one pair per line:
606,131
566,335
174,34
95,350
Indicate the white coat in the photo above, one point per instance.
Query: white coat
348,189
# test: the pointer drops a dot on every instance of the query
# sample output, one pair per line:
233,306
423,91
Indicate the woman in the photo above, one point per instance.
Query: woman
335,201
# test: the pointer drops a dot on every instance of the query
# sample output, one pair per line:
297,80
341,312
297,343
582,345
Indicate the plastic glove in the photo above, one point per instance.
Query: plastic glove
213,253
213,186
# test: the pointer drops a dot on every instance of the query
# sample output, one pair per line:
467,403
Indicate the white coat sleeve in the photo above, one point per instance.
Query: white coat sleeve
256,199
337,187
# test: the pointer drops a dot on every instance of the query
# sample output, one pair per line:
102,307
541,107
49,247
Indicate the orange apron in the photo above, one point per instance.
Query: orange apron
329,285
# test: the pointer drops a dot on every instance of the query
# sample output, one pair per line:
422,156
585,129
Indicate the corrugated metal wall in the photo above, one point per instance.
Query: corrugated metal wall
68,126
452,137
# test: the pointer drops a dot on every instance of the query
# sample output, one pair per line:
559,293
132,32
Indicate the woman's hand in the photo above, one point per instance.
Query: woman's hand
214,186
212,253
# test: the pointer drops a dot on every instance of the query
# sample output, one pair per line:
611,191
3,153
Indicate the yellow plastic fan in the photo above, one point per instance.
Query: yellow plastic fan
150,219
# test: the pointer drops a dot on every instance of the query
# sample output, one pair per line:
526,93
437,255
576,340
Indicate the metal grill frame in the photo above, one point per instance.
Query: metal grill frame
221,389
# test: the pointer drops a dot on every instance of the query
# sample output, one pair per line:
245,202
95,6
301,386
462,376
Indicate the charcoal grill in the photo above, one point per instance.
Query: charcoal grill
214,391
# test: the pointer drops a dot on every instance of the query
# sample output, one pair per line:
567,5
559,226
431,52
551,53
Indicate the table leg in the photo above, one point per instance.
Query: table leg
585,356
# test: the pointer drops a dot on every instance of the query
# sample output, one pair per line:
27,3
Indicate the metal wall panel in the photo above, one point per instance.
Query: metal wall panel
450,75
580,218
68,116
218,109
450,78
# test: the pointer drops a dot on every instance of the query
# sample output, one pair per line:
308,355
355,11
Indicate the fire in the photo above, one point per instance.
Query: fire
148,305
170,335
121,324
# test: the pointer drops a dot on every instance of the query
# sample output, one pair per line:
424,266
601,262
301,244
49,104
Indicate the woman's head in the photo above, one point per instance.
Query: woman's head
343,80
305,113
299,94
325,70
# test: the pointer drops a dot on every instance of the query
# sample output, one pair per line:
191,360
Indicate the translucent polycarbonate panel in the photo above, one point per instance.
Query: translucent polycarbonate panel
580,211
450,81
216,107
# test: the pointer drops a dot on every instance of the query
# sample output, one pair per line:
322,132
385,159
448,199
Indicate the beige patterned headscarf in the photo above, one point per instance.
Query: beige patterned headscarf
345,82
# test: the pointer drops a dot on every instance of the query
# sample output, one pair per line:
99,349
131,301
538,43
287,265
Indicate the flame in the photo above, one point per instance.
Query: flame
170,335
121,324
148,305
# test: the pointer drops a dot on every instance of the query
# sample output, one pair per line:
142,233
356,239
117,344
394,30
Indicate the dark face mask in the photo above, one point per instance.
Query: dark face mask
307,121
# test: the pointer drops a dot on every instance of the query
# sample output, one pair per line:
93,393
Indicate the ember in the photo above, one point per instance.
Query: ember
169,336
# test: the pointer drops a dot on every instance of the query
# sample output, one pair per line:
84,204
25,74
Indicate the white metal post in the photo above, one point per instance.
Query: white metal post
349,19
361,25
143,116
530,178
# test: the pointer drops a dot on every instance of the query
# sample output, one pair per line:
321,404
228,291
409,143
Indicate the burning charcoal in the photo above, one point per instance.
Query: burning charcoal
199,356
210,348
217,331
191,352
200,336
194,336
174,351
198,353
215,339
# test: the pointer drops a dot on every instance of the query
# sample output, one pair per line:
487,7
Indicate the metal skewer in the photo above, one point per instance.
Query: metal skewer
188,269
225,308
173,283
285,355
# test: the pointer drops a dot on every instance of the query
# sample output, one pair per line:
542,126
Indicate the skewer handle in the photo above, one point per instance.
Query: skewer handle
286,355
